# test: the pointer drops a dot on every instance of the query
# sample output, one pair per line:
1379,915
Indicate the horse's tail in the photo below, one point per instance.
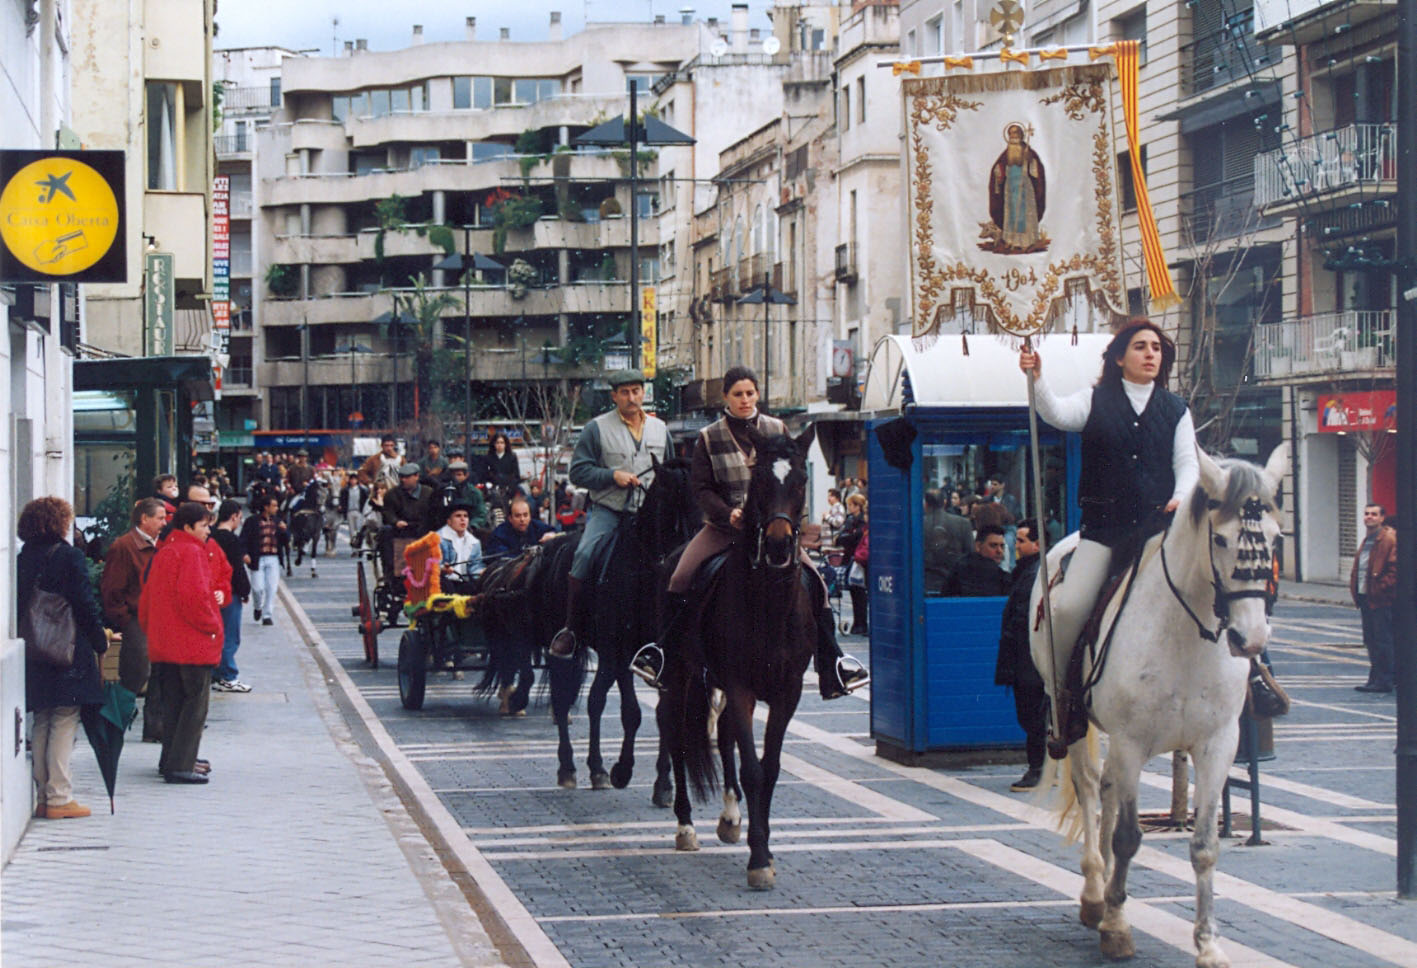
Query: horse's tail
1066,808
692,728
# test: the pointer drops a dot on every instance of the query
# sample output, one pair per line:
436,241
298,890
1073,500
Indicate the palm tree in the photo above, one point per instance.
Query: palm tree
422,310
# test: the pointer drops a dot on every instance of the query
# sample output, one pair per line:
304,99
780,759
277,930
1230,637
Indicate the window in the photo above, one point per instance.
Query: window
164,124
547,87
1125,180
339,108
501,90
861,100
1132,26
462,93
275,92
845,111
379,102
935,35
485,150
911,47
524,90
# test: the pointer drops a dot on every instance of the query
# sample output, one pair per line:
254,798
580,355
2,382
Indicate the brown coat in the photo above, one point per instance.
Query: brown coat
1382,571
122,581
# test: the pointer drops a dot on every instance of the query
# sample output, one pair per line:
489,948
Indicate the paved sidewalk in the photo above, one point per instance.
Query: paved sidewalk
297,853
1323,593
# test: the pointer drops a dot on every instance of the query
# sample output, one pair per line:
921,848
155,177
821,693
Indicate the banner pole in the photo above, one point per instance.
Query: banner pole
1041,536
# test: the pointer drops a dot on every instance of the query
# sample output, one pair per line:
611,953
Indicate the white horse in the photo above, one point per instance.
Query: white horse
1175,680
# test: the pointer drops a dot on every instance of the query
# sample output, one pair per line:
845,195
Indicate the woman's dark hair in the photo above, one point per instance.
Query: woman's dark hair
1112,355
736,374
188,514
44,519
492,444
227,509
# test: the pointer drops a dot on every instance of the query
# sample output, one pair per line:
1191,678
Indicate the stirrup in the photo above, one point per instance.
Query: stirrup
851,673
551,649
648,664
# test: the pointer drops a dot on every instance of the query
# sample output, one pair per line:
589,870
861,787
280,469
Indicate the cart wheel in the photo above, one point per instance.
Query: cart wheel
413,668
369,625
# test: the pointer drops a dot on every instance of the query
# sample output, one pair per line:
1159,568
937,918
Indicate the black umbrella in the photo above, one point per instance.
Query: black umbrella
105,725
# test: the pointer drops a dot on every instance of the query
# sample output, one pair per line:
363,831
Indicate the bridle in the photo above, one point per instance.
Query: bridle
1223,596
759,558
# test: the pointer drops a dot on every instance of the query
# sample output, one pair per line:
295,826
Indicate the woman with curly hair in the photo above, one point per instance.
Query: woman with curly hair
54,695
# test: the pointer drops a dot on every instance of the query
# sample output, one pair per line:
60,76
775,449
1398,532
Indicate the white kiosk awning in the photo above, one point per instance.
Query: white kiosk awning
942,376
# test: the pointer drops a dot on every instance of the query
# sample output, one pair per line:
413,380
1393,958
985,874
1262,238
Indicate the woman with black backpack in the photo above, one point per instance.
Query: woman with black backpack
55,692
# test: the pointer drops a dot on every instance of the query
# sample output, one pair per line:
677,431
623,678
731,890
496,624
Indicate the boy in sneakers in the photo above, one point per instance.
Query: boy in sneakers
224,534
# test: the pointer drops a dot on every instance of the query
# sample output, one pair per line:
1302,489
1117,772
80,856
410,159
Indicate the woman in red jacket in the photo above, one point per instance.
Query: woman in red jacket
180,611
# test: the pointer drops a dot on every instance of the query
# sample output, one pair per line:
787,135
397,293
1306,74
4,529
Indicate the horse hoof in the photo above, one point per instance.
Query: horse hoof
686,839
1090,913
663,795
566,779
1118,945
1212,957
620,775
762,879
599,780
729,832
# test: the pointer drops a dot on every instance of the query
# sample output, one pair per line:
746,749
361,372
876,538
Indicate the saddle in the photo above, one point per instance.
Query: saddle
1095,641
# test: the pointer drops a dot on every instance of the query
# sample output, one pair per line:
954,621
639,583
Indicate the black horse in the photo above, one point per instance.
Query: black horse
752,634
306,525
624,613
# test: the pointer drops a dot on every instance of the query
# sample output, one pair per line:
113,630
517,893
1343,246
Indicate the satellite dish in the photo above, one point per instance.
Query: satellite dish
771,46
719,47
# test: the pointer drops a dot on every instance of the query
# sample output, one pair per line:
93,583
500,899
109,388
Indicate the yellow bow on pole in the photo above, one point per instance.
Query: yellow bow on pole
1095,52
1021,57
902,67
965,62
1047,55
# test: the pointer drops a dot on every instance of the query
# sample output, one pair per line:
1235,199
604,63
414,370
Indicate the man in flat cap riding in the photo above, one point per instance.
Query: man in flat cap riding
614,461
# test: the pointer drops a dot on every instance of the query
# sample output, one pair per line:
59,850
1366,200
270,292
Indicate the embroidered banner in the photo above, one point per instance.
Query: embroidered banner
1013,200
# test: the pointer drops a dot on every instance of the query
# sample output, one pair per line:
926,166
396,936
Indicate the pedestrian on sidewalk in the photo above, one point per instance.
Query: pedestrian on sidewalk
260,540
1373,585
120,587
180,610
53,695
1015,668
228,520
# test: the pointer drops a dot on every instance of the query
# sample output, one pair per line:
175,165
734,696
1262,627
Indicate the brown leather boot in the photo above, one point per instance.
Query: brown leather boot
563,643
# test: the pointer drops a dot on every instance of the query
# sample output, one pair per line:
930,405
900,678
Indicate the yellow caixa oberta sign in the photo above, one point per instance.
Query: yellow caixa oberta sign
62,217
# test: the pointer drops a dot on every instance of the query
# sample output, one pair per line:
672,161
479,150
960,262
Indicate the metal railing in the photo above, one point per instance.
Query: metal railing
251,98
239,375
1346,341
721,285
1221,210
846,262
1359,154
231,144
1229,55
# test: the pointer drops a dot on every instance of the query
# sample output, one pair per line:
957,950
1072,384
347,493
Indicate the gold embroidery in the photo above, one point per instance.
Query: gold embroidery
1080,98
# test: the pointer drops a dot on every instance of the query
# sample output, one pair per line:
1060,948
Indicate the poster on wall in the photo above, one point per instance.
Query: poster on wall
1370,410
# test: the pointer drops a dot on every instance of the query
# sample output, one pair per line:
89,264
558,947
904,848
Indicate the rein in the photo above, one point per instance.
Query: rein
759,558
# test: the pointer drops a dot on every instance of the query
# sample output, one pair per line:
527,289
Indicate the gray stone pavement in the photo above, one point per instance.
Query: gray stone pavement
297,853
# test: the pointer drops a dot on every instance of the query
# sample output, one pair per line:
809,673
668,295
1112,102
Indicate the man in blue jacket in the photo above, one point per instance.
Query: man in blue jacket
519,532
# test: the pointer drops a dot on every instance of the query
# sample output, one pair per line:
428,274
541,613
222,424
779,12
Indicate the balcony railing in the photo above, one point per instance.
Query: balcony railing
721,285
239,375
1217,59
846,262
1360,154
231,144
1222,210
1346,341
252,98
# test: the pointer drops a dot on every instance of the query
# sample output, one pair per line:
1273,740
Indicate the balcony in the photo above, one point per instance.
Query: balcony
751,271
231,145
255,98
487,301
482,124
1217,59
239,205
846,263
1223,210
1327,168
1305,21
721,285
1329,345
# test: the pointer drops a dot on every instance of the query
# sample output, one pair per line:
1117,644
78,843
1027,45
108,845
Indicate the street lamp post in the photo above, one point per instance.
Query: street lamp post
650,132
768,296
391,320
464,263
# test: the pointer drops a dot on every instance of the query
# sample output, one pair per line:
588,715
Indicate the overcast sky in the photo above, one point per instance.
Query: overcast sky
388,24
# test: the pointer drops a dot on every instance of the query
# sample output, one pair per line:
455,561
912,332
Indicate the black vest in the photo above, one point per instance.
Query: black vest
1126,460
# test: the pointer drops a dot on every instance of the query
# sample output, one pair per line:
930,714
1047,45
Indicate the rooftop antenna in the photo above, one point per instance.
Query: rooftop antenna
334,36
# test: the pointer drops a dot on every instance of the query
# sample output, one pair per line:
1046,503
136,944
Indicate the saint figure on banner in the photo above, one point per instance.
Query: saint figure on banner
1017,197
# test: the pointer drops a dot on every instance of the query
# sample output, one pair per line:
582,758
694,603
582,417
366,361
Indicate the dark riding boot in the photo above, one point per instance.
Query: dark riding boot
563,643
648,662
837,672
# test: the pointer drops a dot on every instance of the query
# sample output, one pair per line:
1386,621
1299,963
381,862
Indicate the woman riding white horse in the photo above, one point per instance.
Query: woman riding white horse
1138,457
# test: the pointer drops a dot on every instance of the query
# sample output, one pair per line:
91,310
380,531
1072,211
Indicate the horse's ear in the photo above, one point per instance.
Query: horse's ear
804,439
1275,467
1212,476
755,437
653,461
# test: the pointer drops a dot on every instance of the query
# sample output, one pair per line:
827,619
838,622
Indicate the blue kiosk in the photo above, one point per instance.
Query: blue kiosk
933,696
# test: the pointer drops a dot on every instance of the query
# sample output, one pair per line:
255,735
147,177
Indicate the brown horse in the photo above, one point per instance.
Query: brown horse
751,635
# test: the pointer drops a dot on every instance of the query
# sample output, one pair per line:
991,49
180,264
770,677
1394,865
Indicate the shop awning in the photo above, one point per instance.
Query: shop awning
190,373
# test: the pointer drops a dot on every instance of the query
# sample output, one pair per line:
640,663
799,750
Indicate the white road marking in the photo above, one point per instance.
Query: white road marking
1333,797
1349,710
855,793
657,835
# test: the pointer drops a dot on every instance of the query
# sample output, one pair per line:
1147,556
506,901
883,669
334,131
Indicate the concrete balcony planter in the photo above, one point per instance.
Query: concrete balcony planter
1280,366
1362,358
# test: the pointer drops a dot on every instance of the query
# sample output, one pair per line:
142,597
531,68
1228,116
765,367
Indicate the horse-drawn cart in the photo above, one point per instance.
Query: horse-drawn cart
446,634
379,595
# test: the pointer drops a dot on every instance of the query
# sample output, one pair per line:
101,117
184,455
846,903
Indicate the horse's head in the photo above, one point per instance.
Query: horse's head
1233,509
777,494
670,514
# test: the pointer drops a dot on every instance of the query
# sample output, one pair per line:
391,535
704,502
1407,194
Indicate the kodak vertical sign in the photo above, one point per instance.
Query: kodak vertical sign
221,262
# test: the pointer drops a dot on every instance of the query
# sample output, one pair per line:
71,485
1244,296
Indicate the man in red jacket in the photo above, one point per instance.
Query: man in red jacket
1373,585
180,611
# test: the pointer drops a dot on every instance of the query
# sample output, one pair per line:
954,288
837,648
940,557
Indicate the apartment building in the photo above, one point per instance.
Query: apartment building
248,88
41,323
1329,179
378,163
141,83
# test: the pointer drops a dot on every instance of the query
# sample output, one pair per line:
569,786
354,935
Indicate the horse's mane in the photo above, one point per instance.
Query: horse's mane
1242,479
